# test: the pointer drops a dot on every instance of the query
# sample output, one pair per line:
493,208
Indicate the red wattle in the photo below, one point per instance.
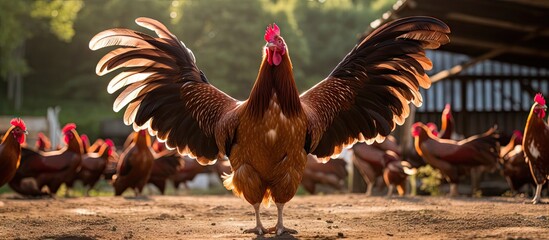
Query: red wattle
277,58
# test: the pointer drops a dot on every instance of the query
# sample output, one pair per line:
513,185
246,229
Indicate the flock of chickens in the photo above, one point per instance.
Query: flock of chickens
271,137
477,154
140,162
145,162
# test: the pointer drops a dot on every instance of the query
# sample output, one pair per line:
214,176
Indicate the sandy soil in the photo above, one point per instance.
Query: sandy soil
315,217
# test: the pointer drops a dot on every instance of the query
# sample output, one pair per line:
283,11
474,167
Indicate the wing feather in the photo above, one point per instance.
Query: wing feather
165,91
368,92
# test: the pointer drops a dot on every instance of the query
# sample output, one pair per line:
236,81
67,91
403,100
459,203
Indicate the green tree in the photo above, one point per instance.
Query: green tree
20,20
227,39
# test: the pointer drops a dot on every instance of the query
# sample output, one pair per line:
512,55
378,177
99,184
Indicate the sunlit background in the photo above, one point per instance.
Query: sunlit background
496,61
45,61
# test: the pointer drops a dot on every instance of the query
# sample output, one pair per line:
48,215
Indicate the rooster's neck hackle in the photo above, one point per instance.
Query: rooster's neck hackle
142,139
7,135
275,79
75,143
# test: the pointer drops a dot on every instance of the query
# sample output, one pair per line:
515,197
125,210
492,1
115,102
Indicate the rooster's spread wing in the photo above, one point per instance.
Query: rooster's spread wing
369,91
164,89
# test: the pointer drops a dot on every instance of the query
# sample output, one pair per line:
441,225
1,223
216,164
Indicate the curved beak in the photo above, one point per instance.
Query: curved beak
26,132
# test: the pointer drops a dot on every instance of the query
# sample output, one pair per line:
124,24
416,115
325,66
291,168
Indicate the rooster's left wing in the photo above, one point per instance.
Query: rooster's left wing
369,91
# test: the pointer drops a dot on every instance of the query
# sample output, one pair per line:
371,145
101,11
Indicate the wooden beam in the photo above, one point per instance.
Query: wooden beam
495,23
495,45
460,67
465,78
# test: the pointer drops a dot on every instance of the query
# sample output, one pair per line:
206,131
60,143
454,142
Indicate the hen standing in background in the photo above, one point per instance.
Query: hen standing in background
165,166
49,168
10,150
452,157
536,144
447,123
333,173
514,166
135,165
94,164
267,137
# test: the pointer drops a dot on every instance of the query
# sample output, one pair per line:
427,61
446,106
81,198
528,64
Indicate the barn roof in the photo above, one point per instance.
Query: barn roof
514,31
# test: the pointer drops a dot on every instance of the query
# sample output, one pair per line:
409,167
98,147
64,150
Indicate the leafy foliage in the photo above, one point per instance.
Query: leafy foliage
431,179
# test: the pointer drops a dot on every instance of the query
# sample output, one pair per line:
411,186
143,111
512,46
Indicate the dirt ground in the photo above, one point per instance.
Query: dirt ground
351,216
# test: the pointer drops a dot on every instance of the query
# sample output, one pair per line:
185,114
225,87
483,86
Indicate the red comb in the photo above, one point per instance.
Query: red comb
517,133
539,99
68,127
18,122
109,142
271,32
84,138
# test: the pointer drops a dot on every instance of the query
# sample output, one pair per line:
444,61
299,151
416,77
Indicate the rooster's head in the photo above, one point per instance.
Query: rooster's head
447,112
85,139
19,129
539,106
416,129
433,128
68,132
518,137
275,47
110,145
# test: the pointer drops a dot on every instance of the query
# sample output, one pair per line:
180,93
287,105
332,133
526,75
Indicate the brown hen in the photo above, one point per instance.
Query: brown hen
10,150
135,165
453,158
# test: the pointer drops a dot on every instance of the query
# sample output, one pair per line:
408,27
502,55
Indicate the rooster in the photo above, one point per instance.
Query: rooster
536,144
452,157
52,168
94,164
447,126
381,160
10,149
166,164
135,165
333,173
268,136
368,159
395,173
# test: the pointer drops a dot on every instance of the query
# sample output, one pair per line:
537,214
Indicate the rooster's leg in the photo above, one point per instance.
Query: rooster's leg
88,191
454,190
279,229
369,188
258,229
390,190
537,197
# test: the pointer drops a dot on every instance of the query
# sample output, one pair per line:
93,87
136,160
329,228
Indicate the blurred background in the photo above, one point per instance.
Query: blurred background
45,60
498,57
